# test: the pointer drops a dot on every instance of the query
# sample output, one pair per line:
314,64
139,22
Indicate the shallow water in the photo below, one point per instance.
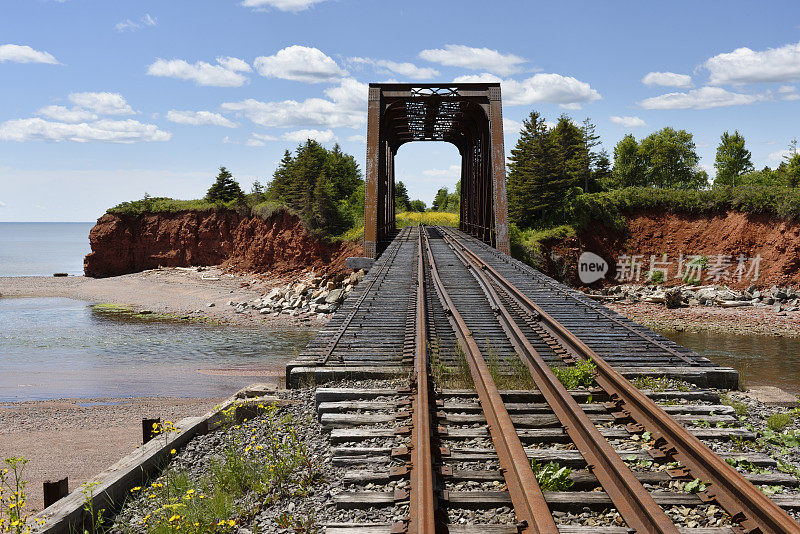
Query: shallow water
760,360
41,249
57,348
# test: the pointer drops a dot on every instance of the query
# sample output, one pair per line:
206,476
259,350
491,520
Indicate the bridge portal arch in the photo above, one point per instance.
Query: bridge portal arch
468,115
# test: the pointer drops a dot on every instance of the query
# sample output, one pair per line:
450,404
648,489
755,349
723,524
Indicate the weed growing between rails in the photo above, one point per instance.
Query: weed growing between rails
257,463
508,373
13,518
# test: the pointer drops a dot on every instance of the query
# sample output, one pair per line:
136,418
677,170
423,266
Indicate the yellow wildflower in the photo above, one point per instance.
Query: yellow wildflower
172,451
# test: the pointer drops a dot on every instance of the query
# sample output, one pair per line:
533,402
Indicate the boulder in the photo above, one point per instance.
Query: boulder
673,298
335,296
359,263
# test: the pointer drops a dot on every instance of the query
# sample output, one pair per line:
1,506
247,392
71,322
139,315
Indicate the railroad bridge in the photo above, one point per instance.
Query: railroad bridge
465,392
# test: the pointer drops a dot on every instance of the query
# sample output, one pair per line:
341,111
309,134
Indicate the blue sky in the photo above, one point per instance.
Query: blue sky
103,101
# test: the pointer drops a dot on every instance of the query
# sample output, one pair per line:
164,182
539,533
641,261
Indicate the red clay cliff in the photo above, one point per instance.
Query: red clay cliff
124,244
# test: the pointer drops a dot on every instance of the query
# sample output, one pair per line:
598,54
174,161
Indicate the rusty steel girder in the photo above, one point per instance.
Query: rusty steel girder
468,115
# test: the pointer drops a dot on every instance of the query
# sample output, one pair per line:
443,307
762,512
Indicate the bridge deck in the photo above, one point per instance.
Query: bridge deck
366,337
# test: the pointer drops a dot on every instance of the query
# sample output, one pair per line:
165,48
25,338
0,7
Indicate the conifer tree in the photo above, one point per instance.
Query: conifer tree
225,188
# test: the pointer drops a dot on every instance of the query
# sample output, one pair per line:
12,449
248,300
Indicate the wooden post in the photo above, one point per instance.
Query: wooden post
53,491
148,432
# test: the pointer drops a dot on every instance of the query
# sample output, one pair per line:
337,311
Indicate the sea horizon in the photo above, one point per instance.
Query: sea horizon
42,248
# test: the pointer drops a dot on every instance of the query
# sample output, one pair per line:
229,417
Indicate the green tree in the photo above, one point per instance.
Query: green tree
602,175
257,188
793,171
401,200
418,206
671,160
537,181
343,173
278,188
225,188
629,166
733,159
440,200
592,158
324,213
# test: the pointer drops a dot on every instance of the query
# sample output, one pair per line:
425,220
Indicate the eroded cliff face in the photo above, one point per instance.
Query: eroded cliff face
731,234
126,244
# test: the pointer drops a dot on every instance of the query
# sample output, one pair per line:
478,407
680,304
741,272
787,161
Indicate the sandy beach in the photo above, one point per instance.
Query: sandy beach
79,438
184,293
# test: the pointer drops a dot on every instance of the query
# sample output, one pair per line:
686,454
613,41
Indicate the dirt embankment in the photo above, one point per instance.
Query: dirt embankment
654,233
124,244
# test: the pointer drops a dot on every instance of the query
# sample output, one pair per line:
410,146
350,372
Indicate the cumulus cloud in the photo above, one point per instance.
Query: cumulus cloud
667,79
225,74
788,92
102,103
300,64
299,136
628,122
357,138
254,142
779,155
65,114
104,130
468,57
744,65
703,98
25,54
453,171
133,25
346,108
409,70
554,88
511,127
282,5
200,118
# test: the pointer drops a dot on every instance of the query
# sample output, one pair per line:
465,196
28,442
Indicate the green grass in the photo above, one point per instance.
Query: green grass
551,476
507,373
739,407
778,421
169,205
532,238
579,375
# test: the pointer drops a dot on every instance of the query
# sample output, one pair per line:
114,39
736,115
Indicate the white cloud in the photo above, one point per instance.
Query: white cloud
300,64
132,25
102,103
202,73
409,70
779,155
282,5
468,57
357,138
453,171
264,137
65,114
667,79
744,65
628,122
200,118
788,92
511,127
25,54
104,130
703,98
554,88
300,136
254,142
346,108
234,64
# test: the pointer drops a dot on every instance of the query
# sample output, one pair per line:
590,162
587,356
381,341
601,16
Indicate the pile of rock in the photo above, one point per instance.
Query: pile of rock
315,295
781,299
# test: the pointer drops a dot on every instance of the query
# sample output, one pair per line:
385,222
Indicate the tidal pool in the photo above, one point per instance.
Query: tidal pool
760,360
54,348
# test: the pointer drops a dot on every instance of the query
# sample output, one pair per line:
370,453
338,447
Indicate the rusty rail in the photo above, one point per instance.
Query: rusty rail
747,505
422,498
526,496
631,499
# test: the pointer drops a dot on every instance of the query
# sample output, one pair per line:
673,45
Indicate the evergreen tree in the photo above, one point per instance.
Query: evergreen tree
590,141
324,214
629,167
257,188
792,172
733,159
601,174
225,188
343,173
401,200
418,206
536,180
573,153
440,200
282,178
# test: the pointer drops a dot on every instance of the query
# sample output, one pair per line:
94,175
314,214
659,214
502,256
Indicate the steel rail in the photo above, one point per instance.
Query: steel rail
350,316
422,499
747,505
602,313
634,503
531,510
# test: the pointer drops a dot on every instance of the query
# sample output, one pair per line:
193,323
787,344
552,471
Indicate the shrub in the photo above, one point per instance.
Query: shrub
778,421
551,476
579,375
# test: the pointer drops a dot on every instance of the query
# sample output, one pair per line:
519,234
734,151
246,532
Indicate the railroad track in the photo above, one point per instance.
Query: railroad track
438,459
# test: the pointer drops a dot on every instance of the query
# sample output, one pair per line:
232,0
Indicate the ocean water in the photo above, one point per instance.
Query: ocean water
54,348
41,249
